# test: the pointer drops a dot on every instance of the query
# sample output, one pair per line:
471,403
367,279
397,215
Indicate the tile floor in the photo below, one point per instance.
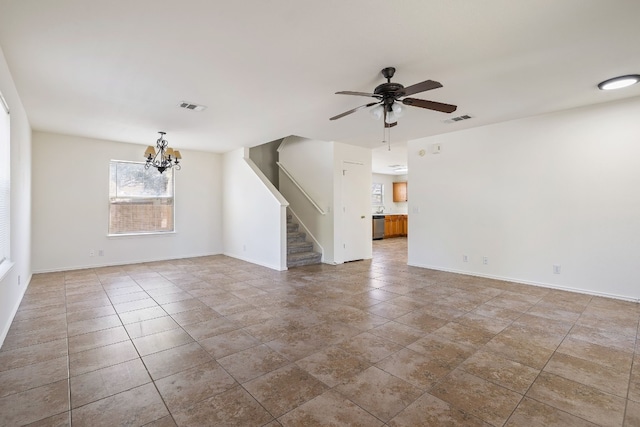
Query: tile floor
216,341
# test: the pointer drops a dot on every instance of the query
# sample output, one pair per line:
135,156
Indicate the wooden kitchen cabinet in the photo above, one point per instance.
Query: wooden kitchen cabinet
395,226
400,191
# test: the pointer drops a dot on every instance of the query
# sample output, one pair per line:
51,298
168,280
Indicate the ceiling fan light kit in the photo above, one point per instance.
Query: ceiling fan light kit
391,99
619,82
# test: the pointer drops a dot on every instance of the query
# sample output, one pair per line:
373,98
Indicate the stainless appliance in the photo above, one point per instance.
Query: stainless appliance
378,227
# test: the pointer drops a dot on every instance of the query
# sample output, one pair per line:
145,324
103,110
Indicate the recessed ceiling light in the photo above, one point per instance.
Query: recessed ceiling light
619,82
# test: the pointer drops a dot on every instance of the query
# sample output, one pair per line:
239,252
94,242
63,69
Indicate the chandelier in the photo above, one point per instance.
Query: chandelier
163,158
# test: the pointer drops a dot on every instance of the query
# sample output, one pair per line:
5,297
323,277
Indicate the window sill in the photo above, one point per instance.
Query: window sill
155,233
5,267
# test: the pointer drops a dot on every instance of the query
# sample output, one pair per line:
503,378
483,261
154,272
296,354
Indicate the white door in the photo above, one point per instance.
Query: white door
356,211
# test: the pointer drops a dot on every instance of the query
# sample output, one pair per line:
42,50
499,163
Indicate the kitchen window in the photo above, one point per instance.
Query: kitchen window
377,194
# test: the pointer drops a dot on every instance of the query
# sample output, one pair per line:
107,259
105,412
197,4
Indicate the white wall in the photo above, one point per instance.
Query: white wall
390,206
254,213
311,164
20,231
71,205
557,189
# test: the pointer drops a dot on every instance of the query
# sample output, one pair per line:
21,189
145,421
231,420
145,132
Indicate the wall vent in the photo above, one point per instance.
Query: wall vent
458,119
191,106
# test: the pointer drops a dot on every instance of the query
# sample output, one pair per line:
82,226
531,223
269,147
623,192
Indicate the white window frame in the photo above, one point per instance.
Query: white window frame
5,188
151,198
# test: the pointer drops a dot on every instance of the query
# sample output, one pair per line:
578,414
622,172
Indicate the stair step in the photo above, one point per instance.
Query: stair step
296,247
303,258
296,236
292,227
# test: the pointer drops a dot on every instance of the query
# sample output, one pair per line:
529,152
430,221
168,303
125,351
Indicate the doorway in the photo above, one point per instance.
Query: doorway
356,215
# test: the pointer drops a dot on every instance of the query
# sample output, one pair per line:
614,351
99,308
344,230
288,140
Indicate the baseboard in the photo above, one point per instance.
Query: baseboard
116,264
529,282
252,261
14,311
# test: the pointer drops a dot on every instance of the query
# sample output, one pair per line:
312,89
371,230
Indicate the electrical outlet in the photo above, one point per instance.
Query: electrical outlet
485,260
92,252
556,268
100,252
18,280
465,258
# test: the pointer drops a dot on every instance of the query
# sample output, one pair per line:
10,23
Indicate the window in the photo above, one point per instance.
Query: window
5,182
377,194
140,200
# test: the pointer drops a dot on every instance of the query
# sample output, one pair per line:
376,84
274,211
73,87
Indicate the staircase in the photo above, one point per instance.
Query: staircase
299,251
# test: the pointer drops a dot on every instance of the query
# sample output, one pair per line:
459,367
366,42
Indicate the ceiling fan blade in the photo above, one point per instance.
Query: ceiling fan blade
346,113
420,87
431,105
390,125
348,92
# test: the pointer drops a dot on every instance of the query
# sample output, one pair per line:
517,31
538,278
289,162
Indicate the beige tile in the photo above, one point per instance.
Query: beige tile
135,305
531,413
174,360
166,421
101,357
284,389
423,320
443,350
90,340
476,396
253,362
35,375
379,393
333,365
228,343
203,330
397,333
609,357
632,414
34,404
92,325
498,370
234,407
23,356
429,411
465,335
91,313
634,381
137,406
519,350
60,420
488,324
195,316
416,368
577,399
29,338
370,347
186,388
142,314
150,344
607,379
605,338
329,409
96,385
151,326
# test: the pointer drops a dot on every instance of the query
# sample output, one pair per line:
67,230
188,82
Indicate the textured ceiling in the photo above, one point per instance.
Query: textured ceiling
267,69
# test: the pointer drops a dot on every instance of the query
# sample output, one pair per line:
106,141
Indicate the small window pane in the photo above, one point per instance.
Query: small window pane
377,194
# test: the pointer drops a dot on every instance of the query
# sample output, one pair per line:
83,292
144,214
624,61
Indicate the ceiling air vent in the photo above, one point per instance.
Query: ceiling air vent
458,119
190,106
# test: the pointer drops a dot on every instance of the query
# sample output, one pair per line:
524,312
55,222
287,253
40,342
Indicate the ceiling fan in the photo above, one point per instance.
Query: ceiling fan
389,96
